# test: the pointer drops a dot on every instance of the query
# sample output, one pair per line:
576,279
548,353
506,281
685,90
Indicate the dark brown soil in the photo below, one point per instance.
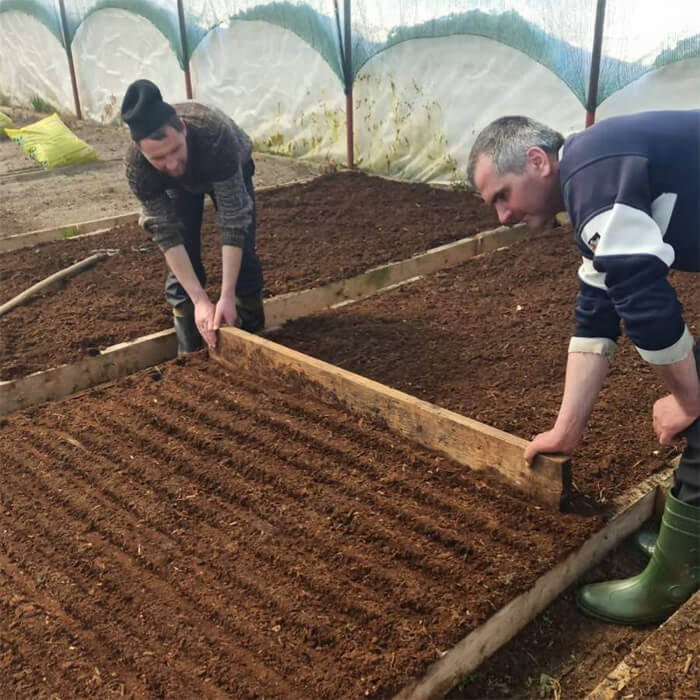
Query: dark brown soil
562,653
260,543
667,665
332,228
489,340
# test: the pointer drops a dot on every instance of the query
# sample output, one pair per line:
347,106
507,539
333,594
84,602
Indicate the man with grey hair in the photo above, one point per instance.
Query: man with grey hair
631,187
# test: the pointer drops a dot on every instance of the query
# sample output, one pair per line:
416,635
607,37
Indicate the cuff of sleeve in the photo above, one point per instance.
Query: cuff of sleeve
597,346
234,239
673,353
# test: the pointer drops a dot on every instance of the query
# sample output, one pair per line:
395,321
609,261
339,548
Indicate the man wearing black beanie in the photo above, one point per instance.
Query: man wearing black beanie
180,153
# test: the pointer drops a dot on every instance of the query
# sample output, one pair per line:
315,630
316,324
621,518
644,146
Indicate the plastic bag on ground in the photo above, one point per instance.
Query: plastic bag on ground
5,121
52,144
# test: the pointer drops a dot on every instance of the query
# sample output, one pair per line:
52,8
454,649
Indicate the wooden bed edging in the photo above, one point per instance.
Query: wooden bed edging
467,441
47,385
636,506
62,381
287,307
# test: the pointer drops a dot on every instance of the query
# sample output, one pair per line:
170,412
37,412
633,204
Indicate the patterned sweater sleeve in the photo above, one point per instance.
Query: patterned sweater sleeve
158,214
234,209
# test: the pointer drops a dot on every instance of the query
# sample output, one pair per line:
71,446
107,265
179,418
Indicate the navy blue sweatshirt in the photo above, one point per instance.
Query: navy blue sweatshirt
631,185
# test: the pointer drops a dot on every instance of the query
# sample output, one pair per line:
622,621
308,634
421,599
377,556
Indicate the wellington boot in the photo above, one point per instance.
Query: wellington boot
188,337
251,313
645,540
670,578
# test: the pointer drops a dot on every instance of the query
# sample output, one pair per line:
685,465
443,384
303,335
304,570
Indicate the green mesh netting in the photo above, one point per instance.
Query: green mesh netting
639,35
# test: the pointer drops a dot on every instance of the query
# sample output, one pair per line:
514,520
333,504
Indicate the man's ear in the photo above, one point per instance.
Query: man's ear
539,161
184,126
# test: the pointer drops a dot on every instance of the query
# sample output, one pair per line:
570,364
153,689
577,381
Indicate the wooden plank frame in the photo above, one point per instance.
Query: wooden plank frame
287,307
49,385
467,441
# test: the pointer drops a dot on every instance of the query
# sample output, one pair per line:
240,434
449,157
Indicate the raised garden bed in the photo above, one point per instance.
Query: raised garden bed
192,532
488,340
330,229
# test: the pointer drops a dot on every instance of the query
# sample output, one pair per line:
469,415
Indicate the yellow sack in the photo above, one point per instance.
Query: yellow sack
52,144
5,121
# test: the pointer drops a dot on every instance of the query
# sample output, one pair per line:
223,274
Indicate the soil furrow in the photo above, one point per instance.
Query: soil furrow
102,569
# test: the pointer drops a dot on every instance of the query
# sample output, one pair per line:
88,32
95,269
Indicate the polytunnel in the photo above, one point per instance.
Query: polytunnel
398,87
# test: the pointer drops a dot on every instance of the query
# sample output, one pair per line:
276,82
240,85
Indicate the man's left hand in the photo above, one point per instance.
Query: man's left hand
225,313
670,419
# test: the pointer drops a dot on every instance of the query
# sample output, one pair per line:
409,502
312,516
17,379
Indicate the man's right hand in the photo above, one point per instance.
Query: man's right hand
204,319
551,441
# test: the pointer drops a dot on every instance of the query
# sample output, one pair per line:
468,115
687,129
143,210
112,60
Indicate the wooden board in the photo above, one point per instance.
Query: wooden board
287,307
636,506
467,441
62,381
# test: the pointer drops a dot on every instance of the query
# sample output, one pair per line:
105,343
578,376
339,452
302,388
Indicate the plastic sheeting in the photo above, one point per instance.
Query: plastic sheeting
421,126
35,65
276,87
111,49
428,74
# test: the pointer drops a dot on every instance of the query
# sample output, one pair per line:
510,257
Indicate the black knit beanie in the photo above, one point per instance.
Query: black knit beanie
143,109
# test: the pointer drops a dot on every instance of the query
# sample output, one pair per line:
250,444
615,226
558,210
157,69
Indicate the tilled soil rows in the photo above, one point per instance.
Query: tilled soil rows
197,532
489,340
329,229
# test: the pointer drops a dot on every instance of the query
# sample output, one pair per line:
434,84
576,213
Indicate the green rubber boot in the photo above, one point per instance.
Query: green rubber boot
671,577
645,540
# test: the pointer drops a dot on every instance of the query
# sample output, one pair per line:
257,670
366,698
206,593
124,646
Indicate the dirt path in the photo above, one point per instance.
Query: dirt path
264,543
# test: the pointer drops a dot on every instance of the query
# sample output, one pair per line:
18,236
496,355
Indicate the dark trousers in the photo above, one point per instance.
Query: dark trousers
189,207
686,480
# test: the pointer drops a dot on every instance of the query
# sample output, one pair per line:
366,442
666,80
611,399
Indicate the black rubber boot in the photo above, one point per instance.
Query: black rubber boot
670,578
188,337
251,313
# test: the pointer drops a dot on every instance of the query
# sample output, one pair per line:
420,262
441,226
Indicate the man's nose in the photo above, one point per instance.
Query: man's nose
505,215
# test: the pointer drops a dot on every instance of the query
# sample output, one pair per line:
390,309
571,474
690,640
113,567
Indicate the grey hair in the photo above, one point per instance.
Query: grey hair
507,140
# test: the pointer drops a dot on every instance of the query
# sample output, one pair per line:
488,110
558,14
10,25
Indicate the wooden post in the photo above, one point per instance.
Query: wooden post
467,441
347,70
185,48
69,55
595,63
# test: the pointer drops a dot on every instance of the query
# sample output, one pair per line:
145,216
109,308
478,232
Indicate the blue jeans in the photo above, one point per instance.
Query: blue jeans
189,207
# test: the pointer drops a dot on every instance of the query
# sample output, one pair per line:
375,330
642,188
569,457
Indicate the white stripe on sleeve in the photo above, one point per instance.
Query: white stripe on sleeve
588,274
625,230
674,353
